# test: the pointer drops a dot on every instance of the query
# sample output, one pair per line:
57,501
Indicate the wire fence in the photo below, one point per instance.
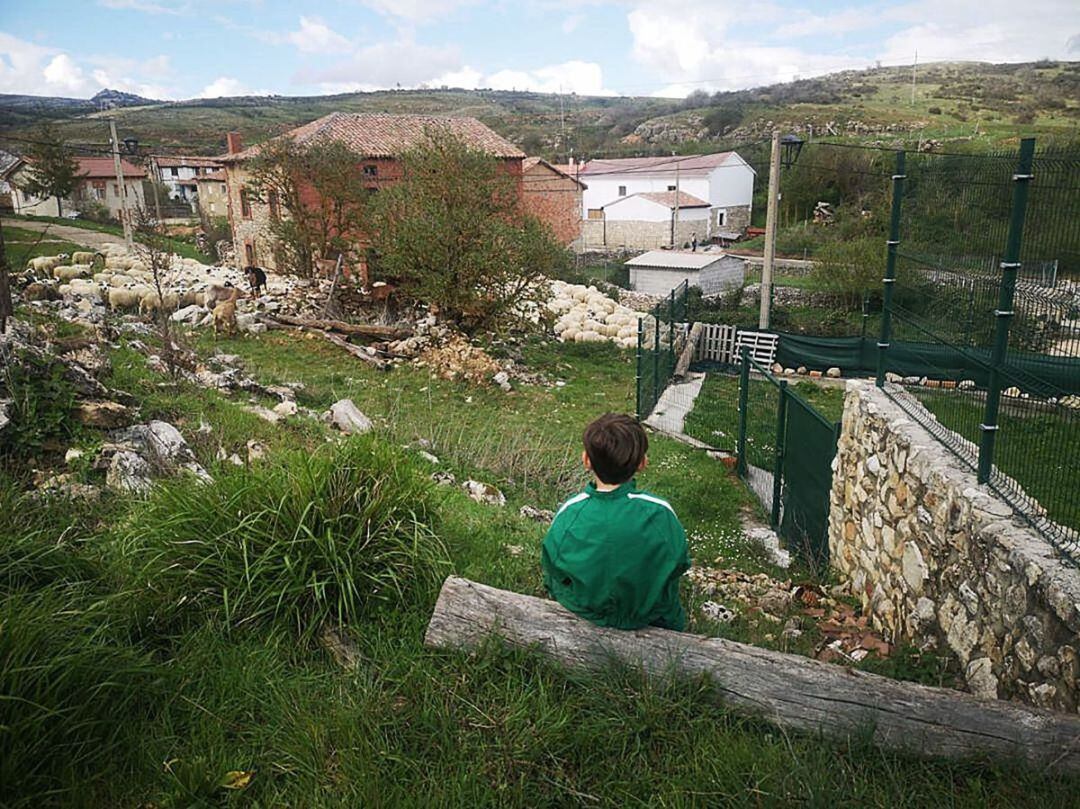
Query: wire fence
661,339
979,293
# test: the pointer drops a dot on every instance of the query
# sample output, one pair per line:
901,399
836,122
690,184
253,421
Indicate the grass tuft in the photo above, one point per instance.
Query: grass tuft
304,539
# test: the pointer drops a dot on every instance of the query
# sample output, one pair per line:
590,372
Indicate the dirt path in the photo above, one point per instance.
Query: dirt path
87,238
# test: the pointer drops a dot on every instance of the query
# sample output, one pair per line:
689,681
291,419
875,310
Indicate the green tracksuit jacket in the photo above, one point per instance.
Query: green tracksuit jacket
615,558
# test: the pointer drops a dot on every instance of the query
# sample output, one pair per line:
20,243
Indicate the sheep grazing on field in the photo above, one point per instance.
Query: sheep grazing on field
65,273
44,264
83,257
150,302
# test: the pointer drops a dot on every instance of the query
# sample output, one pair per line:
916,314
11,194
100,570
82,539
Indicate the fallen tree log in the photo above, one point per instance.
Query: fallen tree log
792,691
357,351
370,330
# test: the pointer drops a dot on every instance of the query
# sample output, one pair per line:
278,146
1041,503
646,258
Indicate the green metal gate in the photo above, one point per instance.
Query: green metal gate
801,466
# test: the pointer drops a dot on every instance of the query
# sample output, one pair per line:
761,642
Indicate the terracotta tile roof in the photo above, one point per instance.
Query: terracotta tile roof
96,168
532,162
689,165
177,161
667,199
384,135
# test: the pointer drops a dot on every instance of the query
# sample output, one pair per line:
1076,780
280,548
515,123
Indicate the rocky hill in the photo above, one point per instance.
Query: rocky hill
976,105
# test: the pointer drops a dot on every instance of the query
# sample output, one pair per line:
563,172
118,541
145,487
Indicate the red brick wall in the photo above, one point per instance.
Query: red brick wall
555,199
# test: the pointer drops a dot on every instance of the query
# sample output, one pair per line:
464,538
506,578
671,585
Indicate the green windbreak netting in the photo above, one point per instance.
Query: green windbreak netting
810,445
936,360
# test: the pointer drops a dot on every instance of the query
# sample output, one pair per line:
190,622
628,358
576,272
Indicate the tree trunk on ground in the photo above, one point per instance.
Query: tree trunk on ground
794,692
6,308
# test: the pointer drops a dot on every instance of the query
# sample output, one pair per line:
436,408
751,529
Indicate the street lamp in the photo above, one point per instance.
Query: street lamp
790,146
131,145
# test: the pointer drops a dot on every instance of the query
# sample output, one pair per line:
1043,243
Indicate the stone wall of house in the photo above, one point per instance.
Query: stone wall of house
637,235
253,229
736,218
940,561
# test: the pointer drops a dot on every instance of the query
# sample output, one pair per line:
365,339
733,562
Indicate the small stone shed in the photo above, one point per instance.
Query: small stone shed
660,271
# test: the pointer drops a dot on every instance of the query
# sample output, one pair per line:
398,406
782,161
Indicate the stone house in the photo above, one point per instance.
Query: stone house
660,271
98,183
180,173
648,220
378,140
554,197
724,181
212,194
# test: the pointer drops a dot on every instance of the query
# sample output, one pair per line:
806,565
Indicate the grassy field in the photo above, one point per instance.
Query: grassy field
715,417
151,663
21,245
183,248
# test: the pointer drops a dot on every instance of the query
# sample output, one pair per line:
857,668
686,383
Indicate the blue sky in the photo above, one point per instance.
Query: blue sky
192,48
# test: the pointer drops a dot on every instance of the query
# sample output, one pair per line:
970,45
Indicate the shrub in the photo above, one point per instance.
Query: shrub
309,538
934,110
41,400
849,269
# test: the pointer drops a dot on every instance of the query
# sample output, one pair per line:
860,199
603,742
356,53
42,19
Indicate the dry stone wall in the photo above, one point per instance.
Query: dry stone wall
942,562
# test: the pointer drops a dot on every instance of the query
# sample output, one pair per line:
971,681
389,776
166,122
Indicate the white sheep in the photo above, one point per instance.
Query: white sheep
82,257
67,273
44,264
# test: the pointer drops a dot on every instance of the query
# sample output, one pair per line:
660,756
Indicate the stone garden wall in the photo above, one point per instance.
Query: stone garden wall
940,561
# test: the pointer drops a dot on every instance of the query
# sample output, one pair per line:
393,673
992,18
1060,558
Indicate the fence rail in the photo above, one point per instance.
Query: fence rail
999,348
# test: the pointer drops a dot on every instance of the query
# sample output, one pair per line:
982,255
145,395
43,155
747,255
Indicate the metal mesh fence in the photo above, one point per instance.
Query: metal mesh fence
985,253
661,339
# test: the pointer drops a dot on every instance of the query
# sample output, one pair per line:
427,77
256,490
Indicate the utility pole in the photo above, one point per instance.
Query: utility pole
675,219
124,217
914,65
770,231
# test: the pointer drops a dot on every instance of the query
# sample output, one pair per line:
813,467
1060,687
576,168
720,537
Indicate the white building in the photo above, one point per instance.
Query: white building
647,220
660,271
97,185
725,181
180,173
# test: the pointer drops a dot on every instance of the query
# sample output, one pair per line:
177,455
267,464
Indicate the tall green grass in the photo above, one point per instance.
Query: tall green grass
304,539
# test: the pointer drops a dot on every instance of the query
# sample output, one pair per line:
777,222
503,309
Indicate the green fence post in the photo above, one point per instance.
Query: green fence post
671,338
890,266
637,376
656,358
744,396
1010,265
778,466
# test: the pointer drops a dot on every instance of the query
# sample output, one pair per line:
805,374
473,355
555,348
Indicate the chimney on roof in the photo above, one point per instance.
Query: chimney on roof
235,142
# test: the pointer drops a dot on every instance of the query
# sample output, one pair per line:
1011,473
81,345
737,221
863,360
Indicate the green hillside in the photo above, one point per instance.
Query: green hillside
973,105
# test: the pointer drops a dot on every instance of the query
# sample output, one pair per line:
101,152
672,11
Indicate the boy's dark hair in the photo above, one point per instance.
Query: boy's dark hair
615,444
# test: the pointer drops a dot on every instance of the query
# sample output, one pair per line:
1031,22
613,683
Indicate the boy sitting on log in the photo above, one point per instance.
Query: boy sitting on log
613,554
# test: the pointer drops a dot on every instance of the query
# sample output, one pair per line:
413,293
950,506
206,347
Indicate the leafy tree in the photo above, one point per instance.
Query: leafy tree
317,202
850,269
53,172
452,232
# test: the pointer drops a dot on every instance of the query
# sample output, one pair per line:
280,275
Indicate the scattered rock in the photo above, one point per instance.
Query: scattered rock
347,417
514,550
484,493
541,515
443,478
717,612
264,413
256,450
159,447
427,456
833,373
129,472
896,379
103,415
285,409
73,455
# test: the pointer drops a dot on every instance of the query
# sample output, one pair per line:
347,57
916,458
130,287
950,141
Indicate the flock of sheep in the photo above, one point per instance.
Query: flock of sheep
124,283
586,315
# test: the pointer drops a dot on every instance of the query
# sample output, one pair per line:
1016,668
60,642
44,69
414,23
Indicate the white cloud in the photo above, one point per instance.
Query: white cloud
145,6
583,78
417,10
571,23
315,36
64,75
466,77
384,64
225,86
